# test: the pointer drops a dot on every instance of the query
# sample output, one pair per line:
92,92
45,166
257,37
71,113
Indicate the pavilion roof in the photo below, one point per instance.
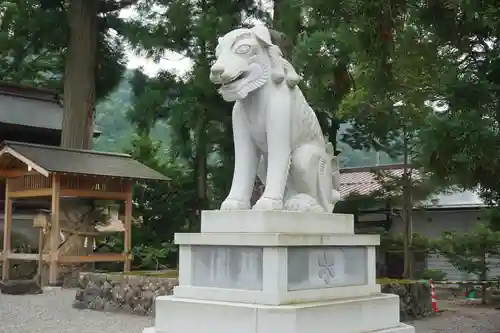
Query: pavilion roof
51,159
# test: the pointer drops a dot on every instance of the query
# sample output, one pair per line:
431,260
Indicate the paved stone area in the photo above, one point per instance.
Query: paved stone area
52,313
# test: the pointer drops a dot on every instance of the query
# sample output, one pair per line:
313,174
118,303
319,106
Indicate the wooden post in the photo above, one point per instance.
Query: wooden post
7,232
54,231
40,257
128,228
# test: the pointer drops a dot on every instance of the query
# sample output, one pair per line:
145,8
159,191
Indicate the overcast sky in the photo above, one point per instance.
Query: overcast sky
170,60
150,67
175,62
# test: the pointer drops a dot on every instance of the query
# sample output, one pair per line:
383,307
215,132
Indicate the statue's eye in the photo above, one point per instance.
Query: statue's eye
243,49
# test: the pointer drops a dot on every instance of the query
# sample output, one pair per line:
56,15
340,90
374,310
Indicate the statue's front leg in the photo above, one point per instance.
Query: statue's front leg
278,131
245,167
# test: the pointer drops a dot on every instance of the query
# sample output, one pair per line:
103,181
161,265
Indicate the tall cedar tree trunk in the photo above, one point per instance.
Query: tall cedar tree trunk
79,92
79,82
407,212
200,159
200,172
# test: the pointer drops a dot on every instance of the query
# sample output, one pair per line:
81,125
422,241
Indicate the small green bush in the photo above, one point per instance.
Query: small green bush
432,274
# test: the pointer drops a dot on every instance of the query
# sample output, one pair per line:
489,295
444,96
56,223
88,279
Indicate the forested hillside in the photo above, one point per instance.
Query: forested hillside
117,131
113,122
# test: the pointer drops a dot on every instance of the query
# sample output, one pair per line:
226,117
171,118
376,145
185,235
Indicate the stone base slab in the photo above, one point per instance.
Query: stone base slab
274,298
401,328
376,313
255,221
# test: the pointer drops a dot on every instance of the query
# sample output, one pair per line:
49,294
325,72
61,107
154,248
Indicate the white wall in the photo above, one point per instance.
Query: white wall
433,223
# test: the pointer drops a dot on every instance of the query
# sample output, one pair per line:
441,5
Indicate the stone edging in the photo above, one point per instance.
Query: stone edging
136,294
414,299
116,292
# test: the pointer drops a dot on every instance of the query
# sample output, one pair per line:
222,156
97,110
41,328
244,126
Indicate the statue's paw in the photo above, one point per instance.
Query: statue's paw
265,203
336,197
234,204
303,203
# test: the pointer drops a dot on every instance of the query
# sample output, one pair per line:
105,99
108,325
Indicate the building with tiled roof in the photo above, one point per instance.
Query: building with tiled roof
458,211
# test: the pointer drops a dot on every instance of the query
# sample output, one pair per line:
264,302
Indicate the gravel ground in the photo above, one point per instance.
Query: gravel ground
466,319
52,313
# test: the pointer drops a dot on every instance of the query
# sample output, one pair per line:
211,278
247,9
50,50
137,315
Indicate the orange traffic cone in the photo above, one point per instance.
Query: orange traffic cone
433,297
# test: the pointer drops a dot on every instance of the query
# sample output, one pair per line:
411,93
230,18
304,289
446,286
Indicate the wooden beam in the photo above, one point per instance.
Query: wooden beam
104,257
7,233
70,192
12,173
40,192
28,256
89,233
54,230
127,242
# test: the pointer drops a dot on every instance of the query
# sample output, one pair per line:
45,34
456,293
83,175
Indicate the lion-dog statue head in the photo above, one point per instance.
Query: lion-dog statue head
246,60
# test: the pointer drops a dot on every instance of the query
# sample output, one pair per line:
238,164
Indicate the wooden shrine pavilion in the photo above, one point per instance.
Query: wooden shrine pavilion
33,115
54,173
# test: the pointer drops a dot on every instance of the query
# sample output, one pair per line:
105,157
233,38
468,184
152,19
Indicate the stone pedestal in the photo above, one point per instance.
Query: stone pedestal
277,272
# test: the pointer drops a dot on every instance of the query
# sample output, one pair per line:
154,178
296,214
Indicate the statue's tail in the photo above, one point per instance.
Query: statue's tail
329,180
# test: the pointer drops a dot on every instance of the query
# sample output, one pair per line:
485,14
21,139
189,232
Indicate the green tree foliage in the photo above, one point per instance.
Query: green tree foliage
152,257
396,69
315,42
162,209
461,141
395,242
162,206
31,44
474,252
202,137
392,188
34,38
111,119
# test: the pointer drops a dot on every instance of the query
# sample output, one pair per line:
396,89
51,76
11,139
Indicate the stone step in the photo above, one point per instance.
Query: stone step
353,315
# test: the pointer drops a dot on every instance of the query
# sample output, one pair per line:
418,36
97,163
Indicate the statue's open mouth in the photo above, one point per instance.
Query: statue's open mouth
235,79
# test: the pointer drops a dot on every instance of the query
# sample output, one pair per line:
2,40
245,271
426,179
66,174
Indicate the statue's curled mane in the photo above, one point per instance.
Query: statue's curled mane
281,68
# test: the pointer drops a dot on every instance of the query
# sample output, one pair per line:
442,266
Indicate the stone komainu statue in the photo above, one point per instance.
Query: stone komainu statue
276,133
